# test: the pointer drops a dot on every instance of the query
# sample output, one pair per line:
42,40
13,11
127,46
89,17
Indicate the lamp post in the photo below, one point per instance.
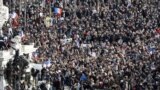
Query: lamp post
20,7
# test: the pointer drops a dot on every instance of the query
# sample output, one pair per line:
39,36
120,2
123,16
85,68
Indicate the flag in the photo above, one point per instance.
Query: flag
14,15
83,77
129,3
35,56
15,22
151,50
58,11
21,34
47,63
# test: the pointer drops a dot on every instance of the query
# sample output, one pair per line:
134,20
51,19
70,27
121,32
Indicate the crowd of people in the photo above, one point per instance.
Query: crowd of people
94,44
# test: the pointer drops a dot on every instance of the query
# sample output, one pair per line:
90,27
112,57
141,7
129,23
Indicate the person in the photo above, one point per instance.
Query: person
114,43
8,88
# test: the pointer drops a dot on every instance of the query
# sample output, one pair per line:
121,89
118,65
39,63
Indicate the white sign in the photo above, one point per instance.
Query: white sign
65,41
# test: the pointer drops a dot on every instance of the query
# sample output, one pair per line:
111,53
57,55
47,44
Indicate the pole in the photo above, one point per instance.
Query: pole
14,3
20,7
25,17
50,9
10,5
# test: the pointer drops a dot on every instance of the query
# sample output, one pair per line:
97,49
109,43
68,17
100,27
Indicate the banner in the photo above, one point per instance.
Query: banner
57,11
48,21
